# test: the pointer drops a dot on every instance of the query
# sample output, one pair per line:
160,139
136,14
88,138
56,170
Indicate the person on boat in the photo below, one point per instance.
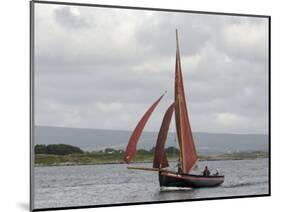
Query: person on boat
179,167
217,173
206,171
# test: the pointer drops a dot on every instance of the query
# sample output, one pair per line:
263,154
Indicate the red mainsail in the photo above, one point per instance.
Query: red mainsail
160,158
188,155
132,144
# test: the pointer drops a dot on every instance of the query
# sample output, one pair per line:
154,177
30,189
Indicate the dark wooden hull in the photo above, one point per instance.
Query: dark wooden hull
170,179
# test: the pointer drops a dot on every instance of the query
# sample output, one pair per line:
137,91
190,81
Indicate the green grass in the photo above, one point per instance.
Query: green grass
237,156
105,158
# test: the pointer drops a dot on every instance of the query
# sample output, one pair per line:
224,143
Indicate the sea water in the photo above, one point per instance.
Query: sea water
67,186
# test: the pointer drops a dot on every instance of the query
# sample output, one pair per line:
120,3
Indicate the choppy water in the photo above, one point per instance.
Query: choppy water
66,186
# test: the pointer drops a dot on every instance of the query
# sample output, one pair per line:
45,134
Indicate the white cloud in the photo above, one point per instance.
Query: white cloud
245,40
109,107
99,72
229,119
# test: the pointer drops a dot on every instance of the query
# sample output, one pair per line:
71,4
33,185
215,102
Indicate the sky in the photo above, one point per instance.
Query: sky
103,67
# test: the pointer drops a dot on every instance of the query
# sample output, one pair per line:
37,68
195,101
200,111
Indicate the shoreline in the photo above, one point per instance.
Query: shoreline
137,162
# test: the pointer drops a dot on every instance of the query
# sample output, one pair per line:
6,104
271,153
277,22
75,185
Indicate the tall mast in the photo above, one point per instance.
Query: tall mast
188,155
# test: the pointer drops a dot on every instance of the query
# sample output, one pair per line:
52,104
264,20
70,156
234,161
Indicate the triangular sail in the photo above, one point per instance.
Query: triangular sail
132,144
188,155
160,158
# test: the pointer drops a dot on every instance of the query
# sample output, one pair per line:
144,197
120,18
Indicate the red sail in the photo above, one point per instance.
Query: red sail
160,159
132,145
188,155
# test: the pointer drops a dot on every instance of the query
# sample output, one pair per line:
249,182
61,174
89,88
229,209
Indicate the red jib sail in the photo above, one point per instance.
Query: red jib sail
132,144
160,158
188,155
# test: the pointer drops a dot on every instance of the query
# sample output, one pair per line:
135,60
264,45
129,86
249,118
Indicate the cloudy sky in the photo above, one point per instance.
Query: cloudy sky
102,68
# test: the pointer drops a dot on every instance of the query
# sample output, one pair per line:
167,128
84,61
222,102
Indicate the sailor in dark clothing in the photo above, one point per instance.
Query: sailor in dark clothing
217,173
179,167
206,171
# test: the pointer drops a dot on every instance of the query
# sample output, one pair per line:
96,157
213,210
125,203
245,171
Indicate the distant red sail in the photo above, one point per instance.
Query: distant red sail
188,155
132,144
160,158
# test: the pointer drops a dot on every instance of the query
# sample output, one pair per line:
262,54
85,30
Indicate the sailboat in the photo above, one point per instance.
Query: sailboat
188,157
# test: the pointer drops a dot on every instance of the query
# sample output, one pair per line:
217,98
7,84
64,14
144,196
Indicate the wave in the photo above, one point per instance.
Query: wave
243,184
166,189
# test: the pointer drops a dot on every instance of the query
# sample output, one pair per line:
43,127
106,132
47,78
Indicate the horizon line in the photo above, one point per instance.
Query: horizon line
88,128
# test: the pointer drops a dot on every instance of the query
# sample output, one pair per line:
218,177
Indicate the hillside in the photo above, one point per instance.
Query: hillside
96,139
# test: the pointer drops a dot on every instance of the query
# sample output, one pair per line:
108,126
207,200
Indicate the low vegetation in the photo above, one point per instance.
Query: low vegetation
237,156
69,155
61,154
57,149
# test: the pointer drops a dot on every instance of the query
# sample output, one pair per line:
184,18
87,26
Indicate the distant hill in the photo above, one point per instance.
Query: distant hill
96,139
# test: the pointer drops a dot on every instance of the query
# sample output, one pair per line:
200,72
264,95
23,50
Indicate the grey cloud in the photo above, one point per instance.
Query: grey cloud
159,36
107,71
245,40
70,17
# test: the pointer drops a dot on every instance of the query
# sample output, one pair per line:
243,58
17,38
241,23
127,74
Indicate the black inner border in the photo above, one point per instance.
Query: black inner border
31,107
